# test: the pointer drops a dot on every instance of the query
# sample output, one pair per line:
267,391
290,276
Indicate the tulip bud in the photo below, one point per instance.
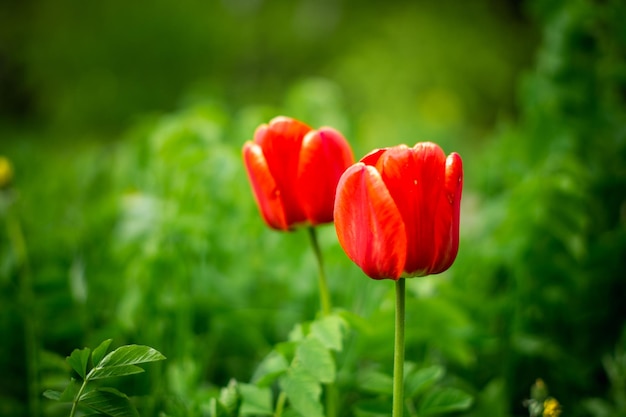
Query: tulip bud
397,211
294,171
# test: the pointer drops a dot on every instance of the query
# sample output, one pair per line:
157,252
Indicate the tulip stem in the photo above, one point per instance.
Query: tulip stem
398,351
331,390
323,286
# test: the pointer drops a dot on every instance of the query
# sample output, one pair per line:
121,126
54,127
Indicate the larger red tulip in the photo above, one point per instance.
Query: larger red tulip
294,171
397,211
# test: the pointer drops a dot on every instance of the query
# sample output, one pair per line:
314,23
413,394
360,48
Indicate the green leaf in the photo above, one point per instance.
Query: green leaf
70,391
52,395
110,402
78,361
113,371
272,366
100,351
375,381
303,391
316,359
256,400
372,408
217,409
329,331
419,381
131,355
444,400
66,396
230,398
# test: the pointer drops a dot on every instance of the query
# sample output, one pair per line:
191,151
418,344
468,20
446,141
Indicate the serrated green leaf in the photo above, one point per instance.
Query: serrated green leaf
329,331
78,361
444,400
272,366
313,356
114,371
100,351
110,402
419,381
375,381
256,400
131,355
303,392
52,394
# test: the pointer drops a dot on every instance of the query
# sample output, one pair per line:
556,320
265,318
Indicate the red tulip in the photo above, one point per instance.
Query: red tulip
294,171
397,211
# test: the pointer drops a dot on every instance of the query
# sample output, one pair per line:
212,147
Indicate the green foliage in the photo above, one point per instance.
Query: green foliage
152,236
106,401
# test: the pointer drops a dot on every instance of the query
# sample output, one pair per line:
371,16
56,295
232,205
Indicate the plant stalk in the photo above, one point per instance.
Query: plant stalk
26,300
280,404
331,390
323,285
78,394
398,351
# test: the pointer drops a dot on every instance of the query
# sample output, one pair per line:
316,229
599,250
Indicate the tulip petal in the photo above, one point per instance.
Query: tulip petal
368,223
415,179
281,141
447,244
324,156
265,190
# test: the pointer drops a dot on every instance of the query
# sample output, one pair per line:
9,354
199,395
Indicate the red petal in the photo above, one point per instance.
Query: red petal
415,179
281,141
324,156
265,190
368,223
373,157
450,209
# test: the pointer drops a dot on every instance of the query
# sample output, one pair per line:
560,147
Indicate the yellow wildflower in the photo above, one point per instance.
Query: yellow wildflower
551,408
6,172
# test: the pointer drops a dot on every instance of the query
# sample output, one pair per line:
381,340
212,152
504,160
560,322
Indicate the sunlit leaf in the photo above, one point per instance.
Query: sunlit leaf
316,359
114,371
100,351
110,402
444,400
272,366
78,361
131,355
329,331
230,398
256,400
303,391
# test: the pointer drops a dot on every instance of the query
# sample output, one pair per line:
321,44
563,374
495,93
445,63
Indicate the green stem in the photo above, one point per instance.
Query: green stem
323,286
331,390
26,299
77,397
398,351
280,404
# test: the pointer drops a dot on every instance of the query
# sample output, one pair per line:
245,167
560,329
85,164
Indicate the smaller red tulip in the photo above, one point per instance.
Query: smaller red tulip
294,171
397,211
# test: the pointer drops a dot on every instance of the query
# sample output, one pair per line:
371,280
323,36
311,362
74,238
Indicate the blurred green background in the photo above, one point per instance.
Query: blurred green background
129,215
